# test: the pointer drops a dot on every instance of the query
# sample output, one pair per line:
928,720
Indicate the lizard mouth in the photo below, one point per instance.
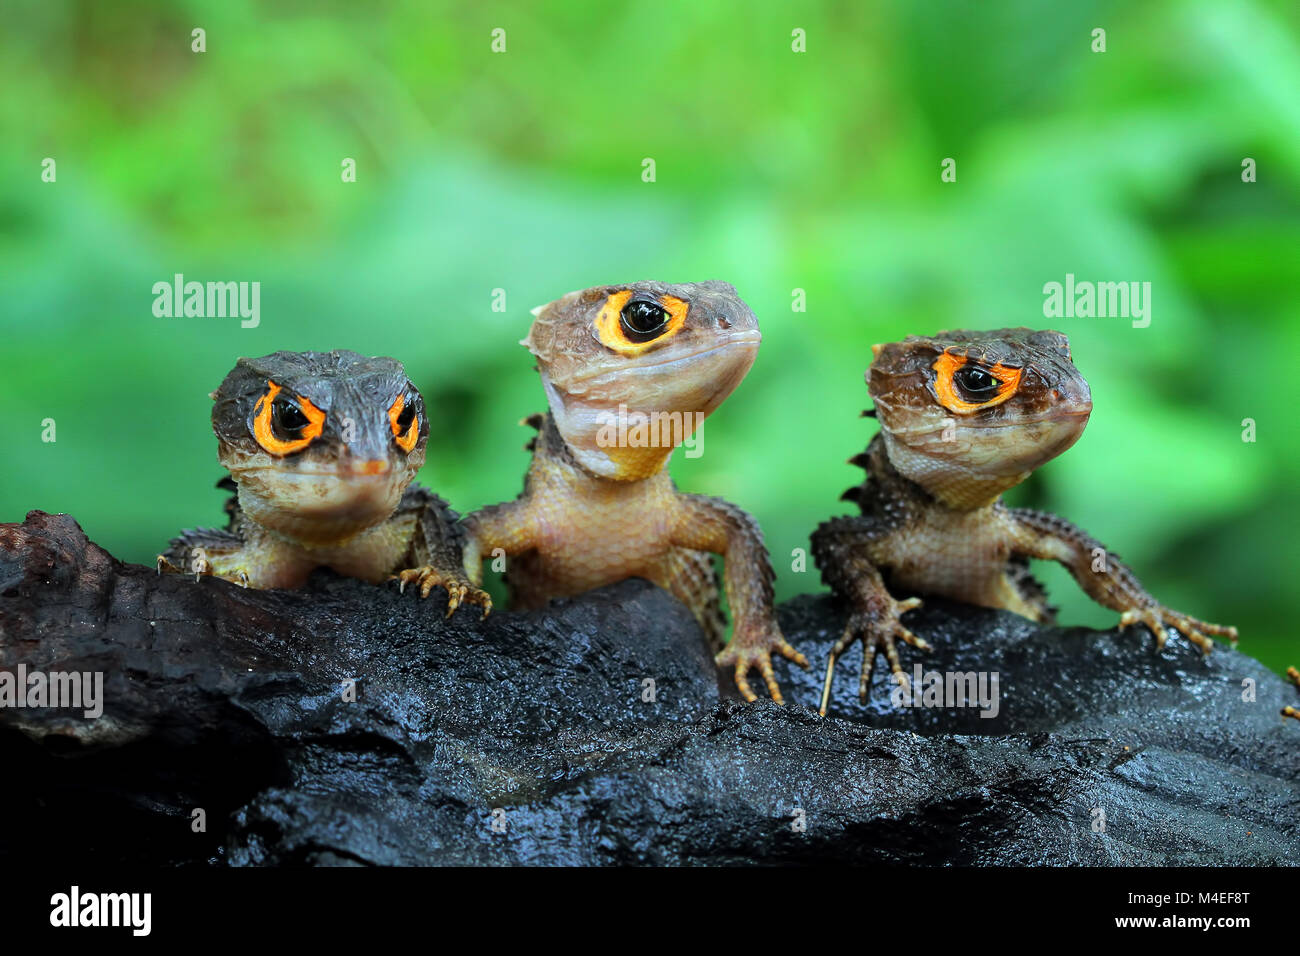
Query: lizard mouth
673,360
685,384
684,381
375,472
315,509
320,502
1062,415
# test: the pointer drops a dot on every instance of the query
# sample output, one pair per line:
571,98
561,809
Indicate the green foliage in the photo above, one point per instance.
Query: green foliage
775,170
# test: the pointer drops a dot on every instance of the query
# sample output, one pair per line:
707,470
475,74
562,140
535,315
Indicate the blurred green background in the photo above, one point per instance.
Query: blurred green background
776,171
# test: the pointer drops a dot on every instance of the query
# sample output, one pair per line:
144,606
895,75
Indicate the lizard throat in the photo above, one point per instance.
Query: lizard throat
318,510
948,482
616,442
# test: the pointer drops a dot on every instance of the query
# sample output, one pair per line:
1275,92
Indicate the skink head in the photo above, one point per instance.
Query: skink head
322,444
968,414
669,353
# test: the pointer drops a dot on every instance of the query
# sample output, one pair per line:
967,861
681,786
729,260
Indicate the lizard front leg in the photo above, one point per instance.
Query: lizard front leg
508,526
436,551
691,578
217,553
1104,578
840,549
711,524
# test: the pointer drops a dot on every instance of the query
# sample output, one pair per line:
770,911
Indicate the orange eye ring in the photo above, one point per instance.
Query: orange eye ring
677,309
609,326
405,440
265,434
947,364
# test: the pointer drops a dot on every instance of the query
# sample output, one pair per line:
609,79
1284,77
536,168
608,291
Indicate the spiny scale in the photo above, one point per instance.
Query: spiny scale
534,421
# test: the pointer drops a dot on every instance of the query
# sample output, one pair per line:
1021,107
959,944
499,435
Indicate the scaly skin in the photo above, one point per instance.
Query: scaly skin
964,416
598,506
321,449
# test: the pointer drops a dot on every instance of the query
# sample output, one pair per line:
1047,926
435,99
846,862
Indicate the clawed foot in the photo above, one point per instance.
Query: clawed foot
1158,619
1293,676
752,648
198,564
876,625
459,591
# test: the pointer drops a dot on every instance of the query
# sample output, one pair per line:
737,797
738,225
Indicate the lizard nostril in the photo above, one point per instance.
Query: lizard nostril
724,323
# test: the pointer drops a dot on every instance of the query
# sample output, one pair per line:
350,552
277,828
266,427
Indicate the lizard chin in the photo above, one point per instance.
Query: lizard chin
624,423
968,465
318,507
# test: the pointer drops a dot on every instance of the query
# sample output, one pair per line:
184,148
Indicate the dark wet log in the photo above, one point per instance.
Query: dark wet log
536,737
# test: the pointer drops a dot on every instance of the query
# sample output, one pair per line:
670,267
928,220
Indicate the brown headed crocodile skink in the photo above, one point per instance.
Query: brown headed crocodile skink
630,372
963,417
321,448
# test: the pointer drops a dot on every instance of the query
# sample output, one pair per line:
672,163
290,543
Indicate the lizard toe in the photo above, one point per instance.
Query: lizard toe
428,581
789,652
868,666
742,684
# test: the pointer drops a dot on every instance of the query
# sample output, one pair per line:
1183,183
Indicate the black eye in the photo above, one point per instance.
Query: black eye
642,320
405,418
287,419
975,383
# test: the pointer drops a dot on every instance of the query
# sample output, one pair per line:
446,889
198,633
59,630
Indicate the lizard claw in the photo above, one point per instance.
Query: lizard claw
877,625
165,564
1293,676
752,648
200,562
459,591
1158,619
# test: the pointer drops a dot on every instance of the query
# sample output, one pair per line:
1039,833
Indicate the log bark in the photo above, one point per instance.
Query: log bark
595,732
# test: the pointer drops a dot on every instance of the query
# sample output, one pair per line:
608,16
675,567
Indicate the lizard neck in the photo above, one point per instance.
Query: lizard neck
557,464
617,443
947,483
